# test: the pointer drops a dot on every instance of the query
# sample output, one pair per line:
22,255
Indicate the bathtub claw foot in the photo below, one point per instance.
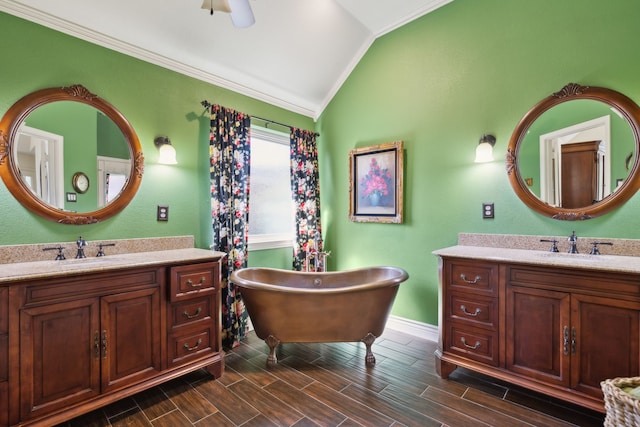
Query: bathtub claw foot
368,340
272,342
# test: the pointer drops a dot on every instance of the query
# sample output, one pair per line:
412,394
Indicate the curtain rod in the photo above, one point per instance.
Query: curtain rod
207,104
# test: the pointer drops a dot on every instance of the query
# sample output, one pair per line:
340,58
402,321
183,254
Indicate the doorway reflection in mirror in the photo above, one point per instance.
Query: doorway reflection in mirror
575,164
40,156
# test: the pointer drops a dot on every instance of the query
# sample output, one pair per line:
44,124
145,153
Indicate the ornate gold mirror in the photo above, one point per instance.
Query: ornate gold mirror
69,156
574,155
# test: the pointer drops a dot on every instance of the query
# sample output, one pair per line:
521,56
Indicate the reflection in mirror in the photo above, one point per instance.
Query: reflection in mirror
113,174
574,155
49,135
39,155
60,138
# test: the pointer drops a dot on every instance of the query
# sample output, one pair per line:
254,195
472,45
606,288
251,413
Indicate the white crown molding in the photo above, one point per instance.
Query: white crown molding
367,44
410,17
345,74
103,40
265,94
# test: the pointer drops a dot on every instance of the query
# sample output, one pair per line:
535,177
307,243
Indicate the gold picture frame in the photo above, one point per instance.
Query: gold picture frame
376,183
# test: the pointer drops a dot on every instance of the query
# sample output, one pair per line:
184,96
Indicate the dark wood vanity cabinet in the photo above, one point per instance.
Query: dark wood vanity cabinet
572,329
471,309
76,343
194,321
81,348
559,331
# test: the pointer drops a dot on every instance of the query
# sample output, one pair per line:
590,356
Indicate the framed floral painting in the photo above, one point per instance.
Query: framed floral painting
375,183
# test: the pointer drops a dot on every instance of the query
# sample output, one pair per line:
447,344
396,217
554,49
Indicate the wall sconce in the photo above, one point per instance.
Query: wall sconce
166,150
484,150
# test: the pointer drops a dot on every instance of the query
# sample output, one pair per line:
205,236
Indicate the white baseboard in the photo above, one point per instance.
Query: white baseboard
411,327
400,324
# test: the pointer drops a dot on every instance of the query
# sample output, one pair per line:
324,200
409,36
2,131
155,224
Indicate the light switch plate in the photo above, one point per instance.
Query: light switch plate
163,213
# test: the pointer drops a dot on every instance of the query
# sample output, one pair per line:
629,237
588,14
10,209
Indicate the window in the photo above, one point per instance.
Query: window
271,215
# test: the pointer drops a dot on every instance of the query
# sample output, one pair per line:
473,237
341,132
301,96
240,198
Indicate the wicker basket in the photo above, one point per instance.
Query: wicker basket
622,409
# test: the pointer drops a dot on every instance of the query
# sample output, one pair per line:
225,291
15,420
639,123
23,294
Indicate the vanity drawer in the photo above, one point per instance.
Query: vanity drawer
187,280
473,309
479,277
190,311
59,289
476,344
623,285
192,345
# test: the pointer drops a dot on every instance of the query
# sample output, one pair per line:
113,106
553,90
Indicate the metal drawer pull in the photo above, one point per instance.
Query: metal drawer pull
195,347
573,340
191,316
200,283
464,310
471,282
472,347
565,340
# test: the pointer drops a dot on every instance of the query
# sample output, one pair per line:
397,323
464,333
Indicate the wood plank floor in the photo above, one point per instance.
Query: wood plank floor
329,385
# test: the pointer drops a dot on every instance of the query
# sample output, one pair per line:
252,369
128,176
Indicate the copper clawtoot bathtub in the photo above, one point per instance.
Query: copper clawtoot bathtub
343,306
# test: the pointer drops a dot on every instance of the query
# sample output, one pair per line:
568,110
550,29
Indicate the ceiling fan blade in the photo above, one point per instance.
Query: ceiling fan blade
219,5
241,13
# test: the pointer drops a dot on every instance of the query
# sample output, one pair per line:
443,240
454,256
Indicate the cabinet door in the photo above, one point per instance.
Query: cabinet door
130,335
59,356
605,341
538,334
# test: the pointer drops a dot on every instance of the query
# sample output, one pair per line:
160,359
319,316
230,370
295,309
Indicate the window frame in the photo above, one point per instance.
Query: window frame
277,240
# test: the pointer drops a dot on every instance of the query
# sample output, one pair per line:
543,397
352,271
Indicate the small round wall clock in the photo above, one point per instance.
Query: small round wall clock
80,182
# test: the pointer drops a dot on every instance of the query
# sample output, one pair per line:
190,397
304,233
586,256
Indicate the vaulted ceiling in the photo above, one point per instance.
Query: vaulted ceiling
296,55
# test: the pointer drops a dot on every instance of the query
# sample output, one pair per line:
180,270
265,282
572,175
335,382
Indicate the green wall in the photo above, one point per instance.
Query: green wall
438,83
441,82
156,101
111,141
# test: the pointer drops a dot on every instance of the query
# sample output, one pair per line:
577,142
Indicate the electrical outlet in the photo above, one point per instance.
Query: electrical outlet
487,210
163,213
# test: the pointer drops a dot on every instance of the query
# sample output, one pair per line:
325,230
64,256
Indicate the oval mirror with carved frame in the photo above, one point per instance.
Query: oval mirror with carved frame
10,172
622,106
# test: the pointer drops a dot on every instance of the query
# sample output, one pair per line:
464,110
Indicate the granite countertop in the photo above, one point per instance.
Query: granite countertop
616,263
21,271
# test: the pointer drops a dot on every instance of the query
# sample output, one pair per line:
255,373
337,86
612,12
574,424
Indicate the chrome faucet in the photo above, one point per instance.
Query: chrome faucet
81,243
573,243
316,258
595,250
60,250
554,244
100,248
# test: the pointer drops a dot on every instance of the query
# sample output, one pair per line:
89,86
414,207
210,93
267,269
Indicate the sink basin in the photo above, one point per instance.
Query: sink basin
563,256
85,262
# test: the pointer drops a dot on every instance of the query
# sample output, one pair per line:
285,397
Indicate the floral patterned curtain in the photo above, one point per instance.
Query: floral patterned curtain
305,190
229,152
